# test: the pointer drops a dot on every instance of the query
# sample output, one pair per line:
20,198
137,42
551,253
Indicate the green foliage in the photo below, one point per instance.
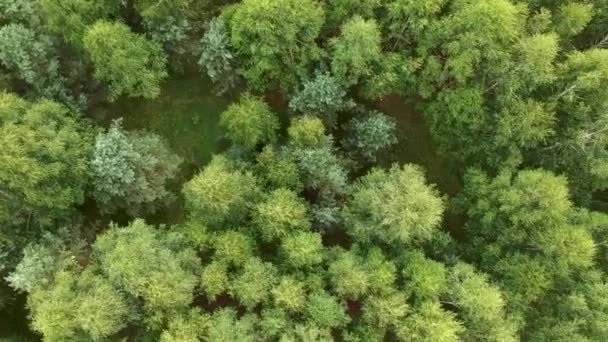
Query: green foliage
306,131
78,307
72,18
233,247
40,263
347,275
276,40
162,275
32,58
480,305
131,170
254,283
370,135
278,169
325,310
45,157
216,56
385,311
220,193
224,326
356,51
425,278
339,11
430,323
289,294
280,214
323,97
215,280
395,206
526,232
187,328
250,122
302,249
572,18
128,62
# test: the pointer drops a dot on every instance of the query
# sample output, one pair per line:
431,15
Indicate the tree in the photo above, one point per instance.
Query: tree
78,307
278,169
356,51
148,265
131,170
276,40
338,11
250,122
254,283
571,18
220,193
325,310
45,160
425,279
578,148
72,18
323,97
233,248
289,294
370,135
480,305
307,131
527,233
217,57
280,214
224,326
394,206
302,249
431,323
41,262
31,57
128,62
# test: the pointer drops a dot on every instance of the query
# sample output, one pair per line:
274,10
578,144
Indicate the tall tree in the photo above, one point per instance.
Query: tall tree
128,62
131,170
276,40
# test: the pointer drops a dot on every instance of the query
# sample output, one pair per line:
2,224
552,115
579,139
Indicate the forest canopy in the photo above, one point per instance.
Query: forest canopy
304,170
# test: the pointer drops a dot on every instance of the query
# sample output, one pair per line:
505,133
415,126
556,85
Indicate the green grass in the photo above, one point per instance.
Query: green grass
186,114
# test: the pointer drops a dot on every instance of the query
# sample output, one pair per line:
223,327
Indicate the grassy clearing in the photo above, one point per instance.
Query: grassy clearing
186,114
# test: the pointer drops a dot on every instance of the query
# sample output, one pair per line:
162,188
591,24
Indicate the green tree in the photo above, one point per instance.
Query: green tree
339,11
571,18
131,170
217,57
480,305
356,51
302,249
72,18
280,214
525,230
220,193
146,264
215,279
276,40
278,169
128,62
370,135
426,279
307,131
326,310
250,122
430,323
78,307
323,97
233,247
290,294
254,283
44,160
32,58
578,148
394,206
